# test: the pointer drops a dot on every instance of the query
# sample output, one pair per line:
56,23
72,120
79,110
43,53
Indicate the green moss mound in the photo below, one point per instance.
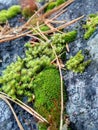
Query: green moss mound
54,4
65,37
90,26
44,28
17,78
27,12
77,63
50,6
47,94
10,13
59,2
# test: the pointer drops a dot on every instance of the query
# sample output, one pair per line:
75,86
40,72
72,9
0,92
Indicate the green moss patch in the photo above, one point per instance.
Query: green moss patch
77,63
54,4
10,13
47,94
91,25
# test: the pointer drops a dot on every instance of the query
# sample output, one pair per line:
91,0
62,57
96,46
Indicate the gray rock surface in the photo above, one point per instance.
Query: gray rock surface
82,105
7,3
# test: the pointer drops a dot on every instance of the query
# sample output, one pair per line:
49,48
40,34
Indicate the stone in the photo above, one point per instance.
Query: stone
7,3
82,104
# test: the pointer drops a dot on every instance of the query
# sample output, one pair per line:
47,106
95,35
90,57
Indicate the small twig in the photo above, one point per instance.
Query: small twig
58,14
43,36
63,26
58,57
67,47
62,107
15,36
57,22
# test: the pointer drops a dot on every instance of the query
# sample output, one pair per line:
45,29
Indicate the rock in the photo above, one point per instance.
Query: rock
7,3
82,105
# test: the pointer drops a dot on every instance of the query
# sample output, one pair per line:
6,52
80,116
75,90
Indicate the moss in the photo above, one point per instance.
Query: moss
3,18
90,26
42,126
89,32
54,4
59,2
18,76
44,28
26,12
15,8
77,63
65,37
92,15
50,6
47,94
11,12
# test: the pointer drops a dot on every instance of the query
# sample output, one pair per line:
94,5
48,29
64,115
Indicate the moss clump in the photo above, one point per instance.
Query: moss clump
59,2
77,63
18,77
27,12
90,25
3,18
50,6
65,37
90,31
54,4
11,12
44,28
47,94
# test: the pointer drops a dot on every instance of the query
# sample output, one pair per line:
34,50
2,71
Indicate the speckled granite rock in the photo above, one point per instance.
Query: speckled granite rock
7,3
82,105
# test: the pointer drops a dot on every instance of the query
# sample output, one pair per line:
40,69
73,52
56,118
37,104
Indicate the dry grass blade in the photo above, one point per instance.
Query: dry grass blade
43,36
61,77
13,37
58,57
62,102
58,14
25,107
63,25
17,120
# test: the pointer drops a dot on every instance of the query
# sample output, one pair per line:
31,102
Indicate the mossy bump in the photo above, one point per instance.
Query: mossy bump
77,63
10,13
